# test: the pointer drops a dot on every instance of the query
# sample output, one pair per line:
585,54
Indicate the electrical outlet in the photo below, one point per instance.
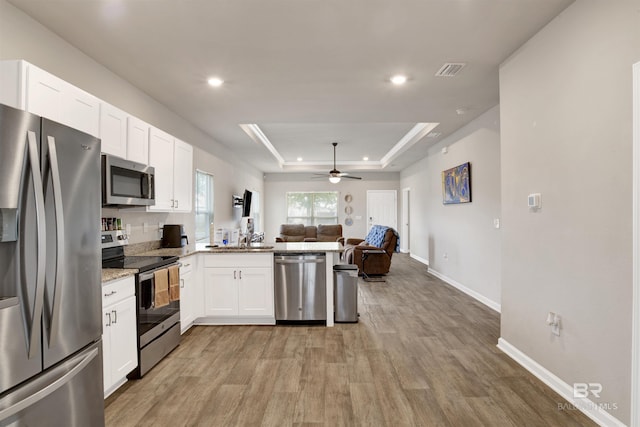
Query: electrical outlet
445,256
554,320
496,222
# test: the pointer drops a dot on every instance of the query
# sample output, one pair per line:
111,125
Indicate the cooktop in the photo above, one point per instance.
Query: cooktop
141,263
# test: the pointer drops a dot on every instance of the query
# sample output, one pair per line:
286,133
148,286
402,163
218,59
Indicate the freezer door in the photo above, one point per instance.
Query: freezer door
22,246
72,301
69,394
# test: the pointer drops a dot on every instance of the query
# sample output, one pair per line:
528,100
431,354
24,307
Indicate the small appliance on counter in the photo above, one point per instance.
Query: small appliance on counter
173,236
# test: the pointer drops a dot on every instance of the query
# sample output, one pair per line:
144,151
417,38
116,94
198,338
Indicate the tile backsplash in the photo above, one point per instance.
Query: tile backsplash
145,226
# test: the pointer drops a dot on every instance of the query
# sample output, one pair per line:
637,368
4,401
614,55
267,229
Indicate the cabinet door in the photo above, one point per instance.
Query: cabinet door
45,94
124,355
113,130
137,140
106,349
187,300
182,176
255,291
81,110
161,158
221,291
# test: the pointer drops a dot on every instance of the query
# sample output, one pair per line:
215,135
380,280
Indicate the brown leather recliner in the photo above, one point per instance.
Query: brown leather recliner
310,233
375,264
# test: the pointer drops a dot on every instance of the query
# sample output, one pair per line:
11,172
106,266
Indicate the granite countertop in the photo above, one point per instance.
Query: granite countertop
109,274
308,247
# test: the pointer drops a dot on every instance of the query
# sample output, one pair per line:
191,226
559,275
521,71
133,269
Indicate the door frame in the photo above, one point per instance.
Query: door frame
405,243
635,355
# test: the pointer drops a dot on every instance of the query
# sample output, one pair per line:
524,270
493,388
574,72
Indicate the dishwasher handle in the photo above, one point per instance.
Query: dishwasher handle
299,261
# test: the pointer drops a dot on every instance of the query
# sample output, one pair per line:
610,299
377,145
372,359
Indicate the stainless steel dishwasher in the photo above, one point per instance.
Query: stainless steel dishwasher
301,286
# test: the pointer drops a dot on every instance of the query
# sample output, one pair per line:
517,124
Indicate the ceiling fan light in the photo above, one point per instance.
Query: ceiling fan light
334,179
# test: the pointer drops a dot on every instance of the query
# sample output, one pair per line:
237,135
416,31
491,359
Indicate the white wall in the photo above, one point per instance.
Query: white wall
228,180
23,38
566,132
465,232
276,187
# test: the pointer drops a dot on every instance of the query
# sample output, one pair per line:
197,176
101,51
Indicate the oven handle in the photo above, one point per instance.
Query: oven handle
149,274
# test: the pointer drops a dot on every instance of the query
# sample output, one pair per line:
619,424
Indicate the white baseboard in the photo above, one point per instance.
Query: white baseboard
234,320
419,259
588,407
478,296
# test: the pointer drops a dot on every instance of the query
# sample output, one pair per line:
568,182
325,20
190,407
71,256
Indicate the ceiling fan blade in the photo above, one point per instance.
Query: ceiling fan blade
351,177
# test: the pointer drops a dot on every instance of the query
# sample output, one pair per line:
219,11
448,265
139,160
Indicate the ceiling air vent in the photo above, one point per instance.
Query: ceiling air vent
450,69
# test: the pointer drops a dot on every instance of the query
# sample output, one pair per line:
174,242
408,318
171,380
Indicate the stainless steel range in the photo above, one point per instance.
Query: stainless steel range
158,327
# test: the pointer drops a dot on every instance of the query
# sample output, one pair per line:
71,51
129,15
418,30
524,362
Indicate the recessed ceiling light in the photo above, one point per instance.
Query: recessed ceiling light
365,158
299,159
398,79
215,82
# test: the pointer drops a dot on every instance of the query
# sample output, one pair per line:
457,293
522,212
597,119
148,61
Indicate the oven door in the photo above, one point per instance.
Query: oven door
153,321
126,183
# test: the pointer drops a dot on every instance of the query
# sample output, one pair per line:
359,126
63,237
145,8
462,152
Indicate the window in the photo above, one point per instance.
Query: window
312,208
203,205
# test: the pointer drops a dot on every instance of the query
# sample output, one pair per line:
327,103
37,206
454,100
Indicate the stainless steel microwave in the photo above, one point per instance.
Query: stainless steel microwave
126,183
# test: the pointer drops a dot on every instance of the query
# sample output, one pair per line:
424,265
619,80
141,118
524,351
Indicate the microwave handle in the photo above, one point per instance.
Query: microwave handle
146,186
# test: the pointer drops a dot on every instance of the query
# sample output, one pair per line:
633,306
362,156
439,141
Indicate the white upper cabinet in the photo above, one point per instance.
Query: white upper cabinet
182,176
81,110
137,140
30,88
173,163
161,158
113,130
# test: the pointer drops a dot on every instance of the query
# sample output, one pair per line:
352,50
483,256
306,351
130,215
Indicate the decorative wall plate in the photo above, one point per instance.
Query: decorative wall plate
348,198
348,210
348,222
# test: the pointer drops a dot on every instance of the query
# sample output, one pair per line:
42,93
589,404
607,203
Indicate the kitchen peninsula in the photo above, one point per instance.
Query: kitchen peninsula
235,285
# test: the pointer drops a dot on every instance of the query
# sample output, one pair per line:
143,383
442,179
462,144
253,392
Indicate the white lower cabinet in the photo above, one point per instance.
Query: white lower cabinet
188,297
238,289
119,340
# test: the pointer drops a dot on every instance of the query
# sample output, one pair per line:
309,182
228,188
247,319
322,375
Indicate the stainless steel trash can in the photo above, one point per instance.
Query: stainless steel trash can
345,292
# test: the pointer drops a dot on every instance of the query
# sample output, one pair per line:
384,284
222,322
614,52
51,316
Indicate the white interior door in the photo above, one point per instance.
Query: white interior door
382,208
404,234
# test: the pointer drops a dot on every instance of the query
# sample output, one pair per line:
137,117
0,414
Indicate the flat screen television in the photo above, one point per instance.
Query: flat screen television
246,203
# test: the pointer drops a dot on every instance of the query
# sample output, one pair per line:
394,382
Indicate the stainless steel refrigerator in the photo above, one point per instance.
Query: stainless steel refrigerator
50,283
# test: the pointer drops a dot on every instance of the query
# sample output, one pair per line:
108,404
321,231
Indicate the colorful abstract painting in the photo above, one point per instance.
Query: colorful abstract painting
456,184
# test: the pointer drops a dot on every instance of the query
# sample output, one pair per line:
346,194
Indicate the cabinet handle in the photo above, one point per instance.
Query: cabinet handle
234,275
240,275
182,283
111,293
115,316
108,317
177,203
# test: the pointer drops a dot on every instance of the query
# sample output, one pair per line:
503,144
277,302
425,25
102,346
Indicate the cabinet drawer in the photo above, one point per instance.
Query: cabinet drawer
239,260
117,290
187,266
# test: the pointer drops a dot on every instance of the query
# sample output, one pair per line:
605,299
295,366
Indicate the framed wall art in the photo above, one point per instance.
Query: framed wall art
456,184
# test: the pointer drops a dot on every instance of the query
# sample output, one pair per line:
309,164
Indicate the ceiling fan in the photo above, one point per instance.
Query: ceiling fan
334,174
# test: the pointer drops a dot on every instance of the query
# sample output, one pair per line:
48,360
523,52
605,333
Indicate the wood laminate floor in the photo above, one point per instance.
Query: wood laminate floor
423,354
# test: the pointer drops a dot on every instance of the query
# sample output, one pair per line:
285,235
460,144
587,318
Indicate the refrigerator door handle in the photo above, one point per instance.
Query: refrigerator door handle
42,393
60,255
34,339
